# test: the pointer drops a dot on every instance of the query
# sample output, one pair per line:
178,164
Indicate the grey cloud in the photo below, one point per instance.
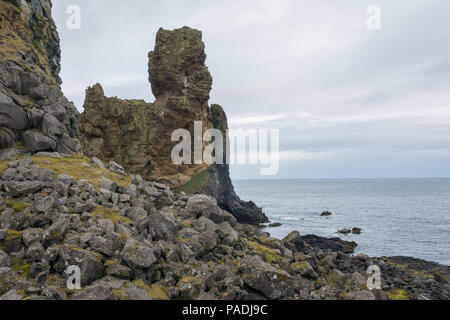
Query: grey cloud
386,90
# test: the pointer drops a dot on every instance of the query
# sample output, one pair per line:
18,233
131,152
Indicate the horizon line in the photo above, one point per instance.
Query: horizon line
347,178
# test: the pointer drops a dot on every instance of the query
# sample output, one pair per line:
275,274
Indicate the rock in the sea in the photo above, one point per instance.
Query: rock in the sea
275,224
344,231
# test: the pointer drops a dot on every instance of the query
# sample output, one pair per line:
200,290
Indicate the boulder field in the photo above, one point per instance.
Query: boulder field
138,239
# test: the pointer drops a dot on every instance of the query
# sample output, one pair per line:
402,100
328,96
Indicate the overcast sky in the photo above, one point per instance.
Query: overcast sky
349,102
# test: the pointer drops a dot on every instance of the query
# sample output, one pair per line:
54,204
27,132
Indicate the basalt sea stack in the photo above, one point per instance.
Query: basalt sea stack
137,134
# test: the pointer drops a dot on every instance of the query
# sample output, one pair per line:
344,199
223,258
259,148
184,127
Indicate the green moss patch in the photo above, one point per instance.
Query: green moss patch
269,255
397,294
79,167
20,267
155,291
111,214
197,183
13,234
3,166
17,205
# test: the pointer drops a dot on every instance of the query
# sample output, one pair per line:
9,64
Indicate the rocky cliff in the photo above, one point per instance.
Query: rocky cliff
33,111
137,134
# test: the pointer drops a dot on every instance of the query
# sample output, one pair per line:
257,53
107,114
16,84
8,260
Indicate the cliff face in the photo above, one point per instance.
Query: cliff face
137,134
33,109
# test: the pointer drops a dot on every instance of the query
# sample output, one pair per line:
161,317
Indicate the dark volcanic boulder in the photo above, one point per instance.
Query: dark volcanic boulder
333,244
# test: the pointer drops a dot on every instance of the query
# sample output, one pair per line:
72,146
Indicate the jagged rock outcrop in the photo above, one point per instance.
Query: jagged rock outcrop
33,109
139,240
137,134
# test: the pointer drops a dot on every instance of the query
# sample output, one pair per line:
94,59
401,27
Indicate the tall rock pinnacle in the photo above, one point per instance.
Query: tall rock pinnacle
137,134
177,66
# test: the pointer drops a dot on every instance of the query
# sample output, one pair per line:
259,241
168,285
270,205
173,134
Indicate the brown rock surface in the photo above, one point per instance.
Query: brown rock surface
137,134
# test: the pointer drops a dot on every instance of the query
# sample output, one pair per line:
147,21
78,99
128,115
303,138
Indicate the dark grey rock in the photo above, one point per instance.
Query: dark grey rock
52,127
5,260
22,188
138,255
90,262
35,141
95,293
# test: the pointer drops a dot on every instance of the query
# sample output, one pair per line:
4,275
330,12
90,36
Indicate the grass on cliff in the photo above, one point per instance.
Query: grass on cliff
16,33
197,183
77,166
80,168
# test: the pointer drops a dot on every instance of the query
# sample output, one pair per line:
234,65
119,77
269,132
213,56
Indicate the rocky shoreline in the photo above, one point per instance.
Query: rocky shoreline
137,239
139,227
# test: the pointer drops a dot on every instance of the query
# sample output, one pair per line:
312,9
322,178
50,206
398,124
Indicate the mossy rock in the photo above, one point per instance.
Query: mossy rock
16,204
3,167
187,223
21,268
155,291
397,294
13,234
111,214
79,167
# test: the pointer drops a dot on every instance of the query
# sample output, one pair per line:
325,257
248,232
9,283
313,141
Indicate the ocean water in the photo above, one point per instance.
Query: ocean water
408,217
